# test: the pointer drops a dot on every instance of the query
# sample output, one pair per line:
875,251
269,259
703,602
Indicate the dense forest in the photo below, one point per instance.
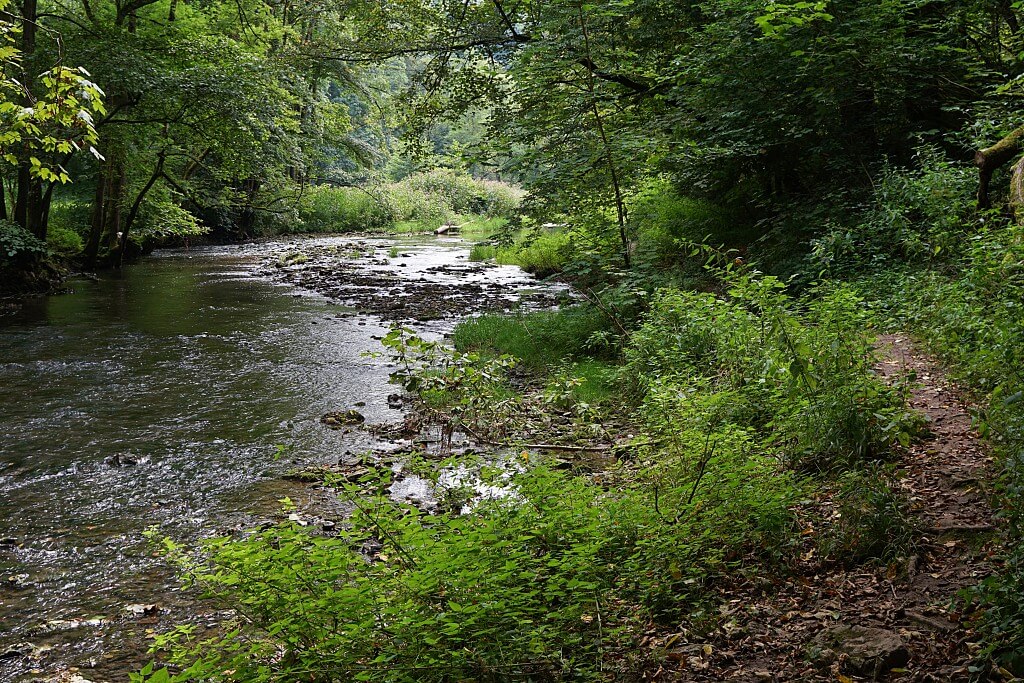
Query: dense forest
760,206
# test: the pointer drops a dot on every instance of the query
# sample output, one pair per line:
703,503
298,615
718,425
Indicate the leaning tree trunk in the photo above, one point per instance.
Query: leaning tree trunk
133,212
106,211
1017,190
99,205
991,158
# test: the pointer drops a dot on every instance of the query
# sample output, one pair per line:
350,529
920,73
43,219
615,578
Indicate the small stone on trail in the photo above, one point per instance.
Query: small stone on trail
870,652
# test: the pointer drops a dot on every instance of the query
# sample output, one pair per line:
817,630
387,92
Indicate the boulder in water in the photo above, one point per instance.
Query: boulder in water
343,418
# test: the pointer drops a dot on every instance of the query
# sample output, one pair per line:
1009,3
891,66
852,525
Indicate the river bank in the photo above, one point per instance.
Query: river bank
730,449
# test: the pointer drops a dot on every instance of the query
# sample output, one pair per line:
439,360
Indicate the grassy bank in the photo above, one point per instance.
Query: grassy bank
419,203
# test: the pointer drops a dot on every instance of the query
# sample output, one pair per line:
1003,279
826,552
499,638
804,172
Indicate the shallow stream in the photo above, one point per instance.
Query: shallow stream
158,397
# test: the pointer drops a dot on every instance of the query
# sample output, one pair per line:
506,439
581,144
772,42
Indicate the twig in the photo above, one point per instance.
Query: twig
705,458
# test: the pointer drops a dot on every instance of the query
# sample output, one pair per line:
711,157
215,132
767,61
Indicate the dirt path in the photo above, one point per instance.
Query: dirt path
900,617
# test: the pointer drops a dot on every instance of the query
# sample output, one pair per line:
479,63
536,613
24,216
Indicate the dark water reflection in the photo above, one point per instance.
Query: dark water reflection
190,368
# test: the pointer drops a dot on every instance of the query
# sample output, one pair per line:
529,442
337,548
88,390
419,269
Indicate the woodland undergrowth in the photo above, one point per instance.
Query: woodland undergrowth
747,403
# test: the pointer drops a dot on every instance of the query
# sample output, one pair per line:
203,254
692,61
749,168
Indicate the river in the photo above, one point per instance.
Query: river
164,396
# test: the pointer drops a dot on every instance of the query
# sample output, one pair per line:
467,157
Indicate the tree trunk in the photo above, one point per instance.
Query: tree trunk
991,158
112,212
106,212
21,195
99,204
1017,190
136,205
28,198
36,211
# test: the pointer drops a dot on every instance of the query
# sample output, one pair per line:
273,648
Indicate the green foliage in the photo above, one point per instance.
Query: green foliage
584,385
782,16
341,209
666,221
64,242
455,390
482,252
57,117
162,216
70,214
539,252
541,338
803,380
17,244
422,201
871,521
916,217
551,582
463,194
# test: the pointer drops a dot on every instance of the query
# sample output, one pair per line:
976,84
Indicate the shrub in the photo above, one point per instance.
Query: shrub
805,381
553,582
421,201
872,520
542,254
64,242
343,209
70,215
458,192
482,252
915,217
499,199
409,202
664,219
161,216
17,244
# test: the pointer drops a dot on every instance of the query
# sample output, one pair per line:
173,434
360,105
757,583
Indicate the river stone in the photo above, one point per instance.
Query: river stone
141,610
342,418
868,651
18,582
17,651
119,460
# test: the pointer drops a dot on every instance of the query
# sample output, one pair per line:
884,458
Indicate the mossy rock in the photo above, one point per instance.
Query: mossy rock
869,652
343,418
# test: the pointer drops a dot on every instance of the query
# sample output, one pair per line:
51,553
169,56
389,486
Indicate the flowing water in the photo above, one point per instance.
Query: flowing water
158,397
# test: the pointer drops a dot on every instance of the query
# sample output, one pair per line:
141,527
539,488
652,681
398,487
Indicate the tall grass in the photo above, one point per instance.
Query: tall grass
420,202
539,339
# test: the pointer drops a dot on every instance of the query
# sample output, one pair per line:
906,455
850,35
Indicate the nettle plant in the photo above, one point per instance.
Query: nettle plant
454,390
800,375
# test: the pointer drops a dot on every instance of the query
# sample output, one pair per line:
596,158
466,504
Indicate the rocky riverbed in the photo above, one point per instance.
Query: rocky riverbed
405,283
